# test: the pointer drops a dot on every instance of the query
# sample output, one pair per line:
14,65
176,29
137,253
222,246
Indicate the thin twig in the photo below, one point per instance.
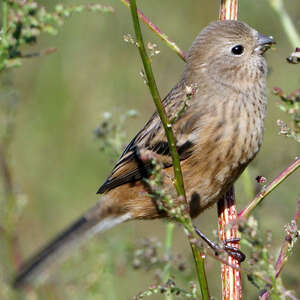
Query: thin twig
286,22
157,100
40,53
168,246
248,184
5,174
269,188
178,179
284,248
282,258
158,32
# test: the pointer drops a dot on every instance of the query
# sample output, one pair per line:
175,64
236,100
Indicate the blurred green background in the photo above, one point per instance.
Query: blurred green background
56,162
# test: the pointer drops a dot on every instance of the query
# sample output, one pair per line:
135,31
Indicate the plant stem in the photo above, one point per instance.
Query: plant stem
269,188
247,184
200,266
157,100
168,246
231,278
227,212
280,261
10,201
158,32
228,10
282,258
4,17
6,175
286,22
178,179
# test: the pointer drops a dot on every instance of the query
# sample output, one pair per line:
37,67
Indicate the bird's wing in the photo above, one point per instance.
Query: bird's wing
151,140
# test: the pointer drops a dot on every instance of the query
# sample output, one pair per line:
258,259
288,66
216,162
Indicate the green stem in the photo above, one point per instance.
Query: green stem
275,296
200,267
286,22
157,100
247,184
178,179
158,32
168,246
4,17
4,27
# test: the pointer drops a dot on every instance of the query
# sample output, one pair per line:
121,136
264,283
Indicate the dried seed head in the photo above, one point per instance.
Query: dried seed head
261,179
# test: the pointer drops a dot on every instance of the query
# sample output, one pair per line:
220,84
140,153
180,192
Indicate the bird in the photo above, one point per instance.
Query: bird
223,91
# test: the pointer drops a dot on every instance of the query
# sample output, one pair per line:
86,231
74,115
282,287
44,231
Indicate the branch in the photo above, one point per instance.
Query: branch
178,180
269,188
231,277
227,213
158,32
285,248
282,258
6,176
157,100
168,245
228,10
181,54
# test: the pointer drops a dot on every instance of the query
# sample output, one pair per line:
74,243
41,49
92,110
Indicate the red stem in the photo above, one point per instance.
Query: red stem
227,212
281,258
269,188
158,32
231,278
228,10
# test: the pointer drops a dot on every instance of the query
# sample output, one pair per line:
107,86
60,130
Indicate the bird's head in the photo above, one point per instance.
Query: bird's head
228,52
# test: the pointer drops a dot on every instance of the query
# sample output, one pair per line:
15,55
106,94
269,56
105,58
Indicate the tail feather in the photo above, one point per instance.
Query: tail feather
38,267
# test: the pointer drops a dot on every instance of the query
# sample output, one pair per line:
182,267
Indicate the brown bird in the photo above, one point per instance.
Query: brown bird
217,135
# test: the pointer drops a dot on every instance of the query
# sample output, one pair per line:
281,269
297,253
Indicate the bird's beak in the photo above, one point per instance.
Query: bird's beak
263,43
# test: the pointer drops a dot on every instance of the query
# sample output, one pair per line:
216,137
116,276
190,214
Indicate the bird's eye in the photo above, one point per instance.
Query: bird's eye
237,50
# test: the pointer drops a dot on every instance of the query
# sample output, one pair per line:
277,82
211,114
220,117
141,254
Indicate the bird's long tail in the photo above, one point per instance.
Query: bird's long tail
38,267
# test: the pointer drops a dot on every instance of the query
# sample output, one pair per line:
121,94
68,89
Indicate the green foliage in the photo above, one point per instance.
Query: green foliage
24,21
22,24
147,256
169,288
96,271
263,272
111,135
260,258
292,235
166,199
290,104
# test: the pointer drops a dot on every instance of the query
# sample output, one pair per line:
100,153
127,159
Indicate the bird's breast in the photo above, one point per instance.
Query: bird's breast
228,138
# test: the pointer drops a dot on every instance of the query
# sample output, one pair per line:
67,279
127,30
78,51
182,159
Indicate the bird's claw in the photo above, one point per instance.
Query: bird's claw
234,252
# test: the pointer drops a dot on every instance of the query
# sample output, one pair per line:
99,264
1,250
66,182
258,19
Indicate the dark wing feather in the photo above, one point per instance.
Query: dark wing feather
151,138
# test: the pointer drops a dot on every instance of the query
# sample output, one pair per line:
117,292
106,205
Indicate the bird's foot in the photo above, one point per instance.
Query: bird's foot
230,250
234,252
